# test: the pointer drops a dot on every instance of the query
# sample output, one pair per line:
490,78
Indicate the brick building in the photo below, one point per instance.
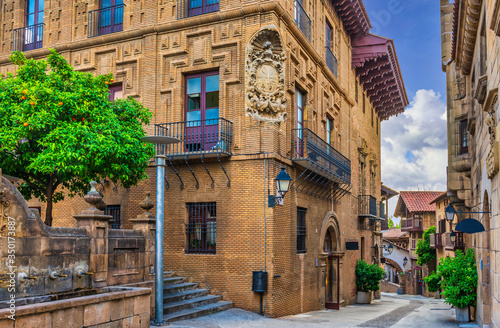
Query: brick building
470,51
248,87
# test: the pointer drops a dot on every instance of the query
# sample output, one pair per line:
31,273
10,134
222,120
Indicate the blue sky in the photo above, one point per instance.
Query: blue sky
414,143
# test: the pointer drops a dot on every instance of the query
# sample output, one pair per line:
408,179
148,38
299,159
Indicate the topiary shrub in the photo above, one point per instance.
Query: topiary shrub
433,282
459,281
368,276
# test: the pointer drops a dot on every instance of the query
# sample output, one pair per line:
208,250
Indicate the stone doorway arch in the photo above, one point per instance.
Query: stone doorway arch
331,255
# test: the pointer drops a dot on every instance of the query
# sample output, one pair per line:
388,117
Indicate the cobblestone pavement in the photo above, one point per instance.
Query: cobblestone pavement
397,311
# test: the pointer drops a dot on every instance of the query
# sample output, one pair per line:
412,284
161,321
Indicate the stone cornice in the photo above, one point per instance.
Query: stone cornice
467,31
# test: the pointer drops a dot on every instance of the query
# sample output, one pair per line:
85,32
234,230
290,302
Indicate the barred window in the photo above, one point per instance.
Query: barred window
301,230
114,211
201,228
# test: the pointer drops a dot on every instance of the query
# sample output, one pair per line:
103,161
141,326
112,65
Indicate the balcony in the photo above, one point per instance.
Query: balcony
459,241
190,8
28,38
411,225
212,137
307,147
331,61
367,206
302,20
105,21
436,240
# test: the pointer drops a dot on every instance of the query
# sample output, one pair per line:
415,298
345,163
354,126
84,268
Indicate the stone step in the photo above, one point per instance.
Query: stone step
173,280
187,294
198,311
176,288
168,274
190,303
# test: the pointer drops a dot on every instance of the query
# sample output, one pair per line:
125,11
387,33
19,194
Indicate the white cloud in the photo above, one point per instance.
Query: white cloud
414,146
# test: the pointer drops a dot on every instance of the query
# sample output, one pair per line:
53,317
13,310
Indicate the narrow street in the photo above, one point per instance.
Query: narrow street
397,311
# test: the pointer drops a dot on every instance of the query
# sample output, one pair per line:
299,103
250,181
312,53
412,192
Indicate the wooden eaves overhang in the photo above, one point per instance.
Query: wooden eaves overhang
353,15
375,61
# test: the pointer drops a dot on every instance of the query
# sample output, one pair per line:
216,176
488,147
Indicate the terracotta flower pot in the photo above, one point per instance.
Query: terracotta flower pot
364,297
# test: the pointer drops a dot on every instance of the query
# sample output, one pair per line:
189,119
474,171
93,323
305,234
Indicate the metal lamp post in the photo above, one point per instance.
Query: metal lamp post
160,141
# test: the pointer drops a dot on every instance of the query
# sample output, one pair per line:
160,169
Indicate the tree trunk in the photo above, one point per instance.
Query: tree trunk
48,210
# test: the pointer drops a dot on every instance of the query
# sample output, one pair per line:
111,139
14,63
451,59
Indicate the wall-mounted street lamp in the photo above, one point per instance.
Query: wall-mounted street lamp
469,225
405,261
282,183
387,248
453,237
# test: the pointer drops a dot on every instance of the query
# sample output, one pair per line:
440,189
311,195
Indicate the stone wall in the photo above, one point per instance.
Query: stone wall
112,307
39,260
390,287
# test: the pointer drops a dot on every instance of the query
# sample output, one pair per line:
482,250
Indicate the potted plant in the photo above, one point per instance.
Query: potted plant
459,282
368,278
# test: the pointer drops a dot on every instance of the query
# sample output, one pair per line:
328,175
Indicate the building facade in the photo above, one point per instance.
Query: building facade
417,215
248,87
470,53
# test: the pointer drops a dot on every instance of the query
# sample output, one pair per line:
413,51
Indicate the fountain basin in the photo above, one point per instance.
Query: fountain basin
116,306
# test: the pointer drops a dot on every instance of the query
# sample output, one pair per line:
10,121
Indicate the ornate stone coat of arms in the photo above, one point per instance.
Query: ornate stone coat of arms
265,77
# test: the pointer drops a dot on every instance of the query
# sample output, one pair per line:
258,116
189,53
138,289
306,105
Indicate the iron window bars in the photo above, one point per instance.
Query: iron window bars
201,234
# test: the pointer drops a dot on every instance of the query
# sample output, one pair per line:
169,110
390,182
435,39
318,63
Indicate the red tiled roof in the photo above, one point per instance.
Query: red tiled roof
419,201
395,233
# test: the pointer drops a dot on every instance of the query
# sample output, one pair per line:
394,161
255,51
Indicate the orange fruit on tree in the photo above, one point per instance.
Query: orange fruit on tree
23,97
60,103
25,124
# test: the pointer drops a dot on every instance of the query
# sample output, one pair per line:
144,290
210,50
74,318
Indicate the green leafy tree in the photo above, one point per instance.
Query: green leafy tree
59,130
459,279
433,282
392,224
425,253
368,276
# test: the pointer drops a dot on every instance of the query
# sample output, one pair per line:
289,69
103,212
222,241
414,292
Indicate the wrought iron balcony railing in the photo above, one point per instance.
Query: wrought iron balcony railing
367,205
28,38
189,8
302,20
331,61
105,20
306,145
211,136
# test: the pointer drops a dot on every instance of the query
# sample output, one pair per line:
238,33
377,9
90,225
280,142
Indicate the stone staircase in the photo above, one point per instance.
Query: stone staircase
183,300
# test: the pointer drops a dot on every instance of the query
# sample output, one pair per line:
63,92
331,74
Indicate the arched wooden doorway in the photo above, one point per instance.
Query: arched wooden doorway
332,271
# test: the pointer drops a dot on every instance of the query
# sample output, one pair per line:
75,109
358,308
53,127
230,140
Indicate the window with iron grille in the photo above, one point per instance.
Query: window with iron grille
301,230
114,211
201,228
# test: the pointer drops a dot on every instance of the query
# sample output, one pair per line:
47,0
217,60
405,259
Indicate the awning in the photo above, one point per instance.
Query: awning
470,226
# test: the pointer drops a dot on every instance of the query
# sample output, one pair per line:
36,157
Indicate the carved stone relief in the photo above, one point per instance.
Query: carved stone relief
265,77
462,90
493,158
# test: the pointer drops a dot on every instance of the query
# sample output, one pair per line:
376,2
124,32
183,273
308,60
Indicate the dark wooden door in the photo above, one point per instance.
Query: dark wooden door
332,283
